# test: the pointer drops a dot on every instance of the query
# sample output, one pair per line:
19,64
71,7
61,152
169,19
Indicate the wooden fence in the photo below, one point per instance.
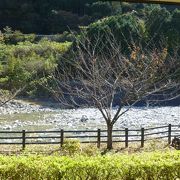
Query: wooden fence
98,136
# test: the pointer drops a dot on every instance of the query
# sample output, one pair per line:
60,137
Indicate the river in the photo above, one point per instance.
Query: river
19,115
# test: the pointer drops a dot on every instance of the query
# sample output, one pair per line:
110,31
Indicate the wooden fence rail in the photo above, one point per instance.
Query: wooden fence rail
89,136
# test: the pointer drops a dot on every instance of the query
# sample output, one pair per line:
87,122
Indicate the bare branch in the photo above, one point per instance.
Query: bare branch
7,96
104,76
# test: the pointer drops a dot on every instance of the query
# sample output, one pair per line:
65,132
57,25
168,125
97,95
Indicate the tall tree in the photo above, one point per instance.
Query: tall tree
103,79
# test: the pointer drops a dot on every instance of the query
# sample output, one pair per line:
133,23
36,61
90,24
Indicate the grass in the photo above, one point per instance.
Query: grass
73,147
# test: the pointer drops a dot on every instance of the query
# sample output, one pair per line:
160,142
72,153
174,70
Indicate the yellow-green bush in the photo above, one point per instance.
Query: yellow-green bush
25,64
71,146
144,166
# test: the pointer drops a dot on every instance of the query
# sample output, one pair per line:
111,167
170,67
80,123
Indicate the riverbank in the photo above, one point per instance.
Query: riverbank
26,106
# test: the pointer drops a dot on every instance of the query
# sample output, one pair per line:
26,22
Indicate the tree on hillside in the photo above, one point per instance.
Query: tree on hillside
60,21
124,28
30,16
99,9
103,79
173,33
156,20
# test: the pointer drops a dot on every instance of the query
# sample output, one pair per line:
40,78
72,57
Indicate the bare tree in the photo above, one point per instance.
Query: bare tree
100,75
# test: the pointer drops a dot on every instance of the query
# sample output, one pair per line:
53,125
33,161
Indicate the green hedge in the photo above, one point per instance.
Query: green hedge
144,166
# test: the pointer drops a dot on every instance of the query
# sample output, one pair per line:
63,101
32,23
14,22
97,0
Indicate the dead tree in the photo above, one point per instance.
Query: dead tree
98,75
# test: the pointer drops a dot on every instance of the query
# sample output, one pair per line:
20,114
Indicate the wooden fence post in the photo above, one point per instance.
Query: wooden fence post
23,139
99,138
62,137
126,137
169,134
142,137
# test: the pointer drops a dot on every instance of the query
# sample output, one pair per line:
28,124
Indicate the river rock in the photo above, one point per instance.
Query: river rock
6,127
84,118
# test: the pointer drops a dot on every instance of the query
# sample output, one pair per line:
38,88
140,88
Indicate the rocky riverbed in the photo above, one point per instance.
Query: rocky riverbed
19,106
18,115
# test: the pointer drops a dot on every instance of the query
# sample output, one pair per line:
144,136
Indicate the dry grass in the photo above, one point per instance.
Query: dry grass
88,149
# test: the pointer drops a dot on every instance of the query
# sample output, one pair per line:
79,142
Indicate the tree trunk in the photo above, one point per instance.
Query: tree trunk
109,136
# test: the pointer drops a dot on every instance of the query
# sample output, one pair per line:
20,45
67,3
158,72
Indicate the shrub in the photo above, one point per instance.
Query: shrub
25,63
91,150
145,166
71,146
14,37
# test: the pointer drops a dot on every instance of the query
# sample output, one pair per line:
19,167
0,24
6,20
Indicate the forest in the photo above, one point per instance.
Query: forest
57,16
37,36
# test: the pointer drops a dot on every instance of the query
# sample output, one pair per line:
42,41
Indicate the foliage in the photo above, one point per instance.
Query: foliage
14,37
127,7
99,9
146,166
124,28
23,57
91,150
25,63
60,21
157,20
71,146
173,32
151,25
37,16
